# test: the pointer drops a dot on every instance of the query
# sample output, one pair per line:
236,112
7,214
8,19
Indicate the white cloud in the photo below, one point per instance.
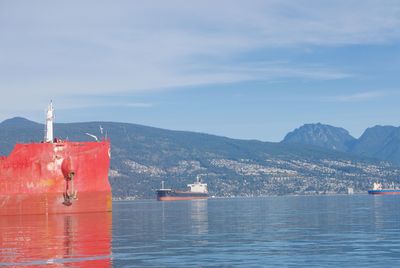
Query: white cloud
53,48
139,104
361,96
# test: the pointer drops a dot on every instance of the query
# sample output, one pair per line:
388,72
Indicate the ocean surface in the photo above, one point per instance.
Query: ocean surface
288,231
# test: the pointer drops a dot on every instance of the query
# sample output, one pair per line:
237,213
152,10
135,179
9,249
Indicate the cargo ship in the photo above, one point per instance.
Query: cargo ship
55,176
196,190
378,189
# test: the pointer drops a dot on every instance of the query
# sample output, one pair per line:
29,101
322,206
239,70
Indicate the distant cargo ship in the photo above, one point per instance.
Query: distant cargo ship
197,190
55,176
378,189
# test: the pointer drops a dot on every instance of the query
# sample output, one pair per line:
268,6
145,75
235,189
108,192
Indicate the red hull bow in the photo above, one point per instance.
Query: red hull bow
60,177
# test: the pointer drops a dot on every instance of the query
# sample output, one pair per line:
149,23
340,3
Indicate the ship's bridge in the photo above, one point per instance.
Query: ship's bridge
198,187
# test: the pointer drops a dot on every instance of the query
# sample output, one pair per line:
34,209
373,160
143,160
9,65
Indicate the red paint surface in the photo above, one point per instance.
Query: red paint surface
33,178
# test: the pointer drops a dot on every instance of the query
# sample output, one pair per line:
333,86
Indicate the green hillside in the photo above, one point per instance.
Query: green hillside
141,157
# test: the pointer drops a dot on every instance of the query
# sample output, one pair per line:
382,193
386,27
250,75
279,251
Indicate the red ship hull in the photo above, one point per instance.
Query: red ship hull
384,191
173,195
60,177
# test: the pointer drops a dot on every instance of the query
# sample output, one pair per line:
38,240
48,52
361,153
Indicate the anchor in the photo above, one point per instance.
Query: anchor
69,195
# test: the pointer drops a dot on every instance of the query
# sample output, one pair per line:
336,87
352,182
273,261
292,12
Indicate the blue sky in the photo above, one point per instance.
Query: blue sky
242,69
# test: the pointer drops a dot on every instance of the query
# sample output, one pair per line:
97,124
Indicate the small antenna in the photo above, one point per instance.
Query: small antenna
101,130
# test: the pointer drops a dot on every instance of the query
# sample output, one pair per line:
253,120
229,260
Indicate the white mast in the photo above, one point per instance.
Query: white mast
49,123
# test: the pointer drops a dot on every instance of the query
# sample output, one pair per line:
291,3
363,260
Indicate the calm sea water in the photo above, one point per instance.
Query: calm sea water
303,231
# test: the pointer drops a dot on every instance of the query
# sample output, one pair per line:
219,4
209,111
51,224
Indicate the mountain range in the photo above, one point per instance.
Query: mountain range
314,159
380,142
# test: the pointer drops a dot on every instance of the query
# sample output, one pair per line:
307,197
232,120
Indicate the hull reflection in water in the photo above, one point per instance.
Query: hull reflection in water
78,240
